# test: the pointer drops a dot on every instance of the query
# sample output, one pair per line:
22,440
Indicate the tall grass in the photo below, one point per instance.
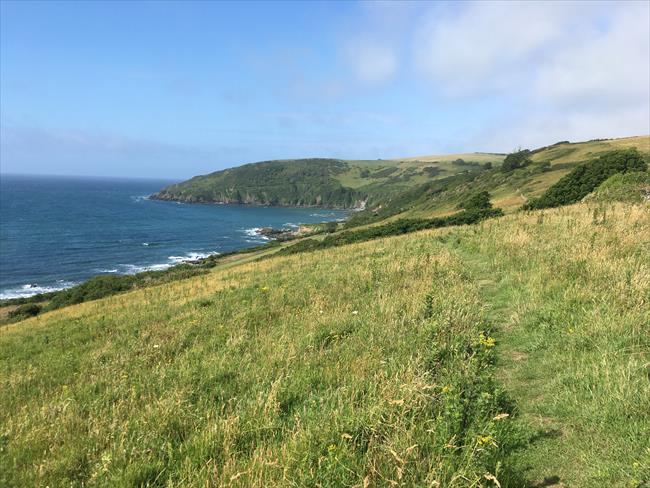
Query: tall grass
394,362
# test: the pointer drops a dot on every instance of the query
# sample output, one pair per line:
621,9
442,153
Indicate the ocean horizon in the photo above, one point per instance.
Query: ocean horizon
58,231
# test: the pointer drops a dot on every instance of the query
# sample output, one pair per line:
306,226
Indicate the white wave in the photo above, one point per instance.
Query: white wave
145,244
191,256
254,233
32,289
291,225
139,198
134,268
173,261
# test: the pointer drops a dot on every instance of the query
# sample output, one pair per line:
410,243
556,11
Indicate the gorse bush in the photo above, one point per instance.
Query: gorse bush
585,178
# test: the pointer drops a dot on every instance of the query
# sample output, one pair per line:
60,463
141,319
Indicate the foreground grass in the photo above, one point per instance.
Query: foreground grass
331,369
571,292
373,364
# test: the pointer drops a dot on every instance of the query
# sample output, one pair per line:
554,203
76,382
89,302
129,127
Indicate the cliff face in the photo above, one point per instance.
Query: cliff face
262,200
302,183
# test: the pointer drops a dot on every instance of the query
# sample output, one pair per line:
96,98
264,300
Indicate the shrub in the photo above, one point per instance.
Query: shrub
515,160
586,177
476,201
26,310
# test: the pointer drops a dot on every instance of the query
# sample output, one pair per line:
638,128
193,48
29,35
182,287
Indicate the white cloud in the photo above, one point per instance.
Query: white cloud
535,129
372,62
562,70
560,52
485,45
608,67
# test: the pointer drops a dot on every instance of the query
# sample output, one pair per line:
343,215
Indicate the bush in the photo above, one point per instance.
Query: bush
477,201
516,160
26,310
586,177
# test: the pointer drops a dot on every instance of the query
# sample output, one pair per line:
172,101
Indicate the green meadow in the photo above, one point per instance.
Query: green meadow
514,352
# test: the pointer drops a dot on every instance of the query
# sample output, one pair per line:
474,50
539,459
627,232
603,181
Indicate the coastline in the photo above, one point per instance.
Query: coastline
60,232
163,197
269,236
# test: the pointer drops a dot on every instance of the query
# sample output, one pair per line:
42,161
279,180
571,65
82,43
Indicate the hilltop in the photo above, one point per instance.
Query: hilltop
415,186
320,181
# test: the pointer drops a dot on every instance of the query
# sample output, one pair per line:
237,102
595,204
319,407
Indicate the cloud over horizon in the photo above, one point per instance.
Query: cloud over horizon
356,80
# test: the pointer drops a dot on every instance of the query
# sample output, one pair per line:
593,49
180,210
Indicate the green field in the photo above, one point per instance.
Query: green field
516,351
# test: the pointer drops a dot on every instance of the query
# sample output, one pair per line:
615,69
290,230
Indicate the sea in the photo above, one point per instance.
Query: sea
58,231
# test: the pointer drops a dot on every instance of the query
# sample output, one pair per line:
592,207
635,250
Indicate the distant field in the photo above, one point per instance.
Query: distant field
478,157
514,351
512,190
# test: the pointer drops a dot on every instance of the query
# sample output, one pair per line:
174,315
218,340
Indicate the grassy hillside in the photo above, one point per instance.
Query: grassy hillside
423,186
513,352
319,181
509,190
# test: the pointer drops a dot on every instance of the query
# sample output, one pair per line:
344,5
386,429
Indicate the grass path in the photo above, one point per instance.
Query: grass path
572,328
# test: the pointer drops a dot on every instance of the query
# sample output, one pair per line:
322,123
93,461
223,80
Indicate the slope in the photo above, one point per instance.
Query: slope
378,364
509,190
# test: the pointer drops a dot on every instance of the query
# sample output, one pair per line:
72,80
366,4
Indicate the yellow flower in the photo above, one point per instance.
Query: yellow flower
485,439
264,289
331,448
446,389
487,341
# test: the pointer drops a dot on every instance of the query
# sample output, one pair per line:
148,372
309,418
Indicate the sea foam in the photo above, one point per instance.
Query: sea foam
31,289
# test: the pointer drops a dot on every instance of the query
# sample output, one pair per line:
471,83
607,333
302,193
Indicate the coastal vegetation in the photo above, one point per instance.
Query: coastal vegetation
490,355
443,338
584,179
300,182
319,181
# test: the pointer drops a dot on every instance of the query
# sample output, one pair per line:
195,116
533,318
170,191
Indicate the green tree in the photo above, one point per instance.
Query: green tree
515,160
477,201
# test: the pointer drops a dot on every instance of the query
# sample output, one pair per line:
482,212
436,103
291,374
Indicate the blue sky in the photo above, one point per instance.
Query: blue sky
176,89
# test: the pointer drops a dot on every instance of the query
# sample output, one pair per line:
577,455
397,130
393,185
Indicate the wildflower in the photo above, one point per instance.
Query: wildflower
485,439
264,289
446,389
487,341
501,416
355,312
156,346
331,448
